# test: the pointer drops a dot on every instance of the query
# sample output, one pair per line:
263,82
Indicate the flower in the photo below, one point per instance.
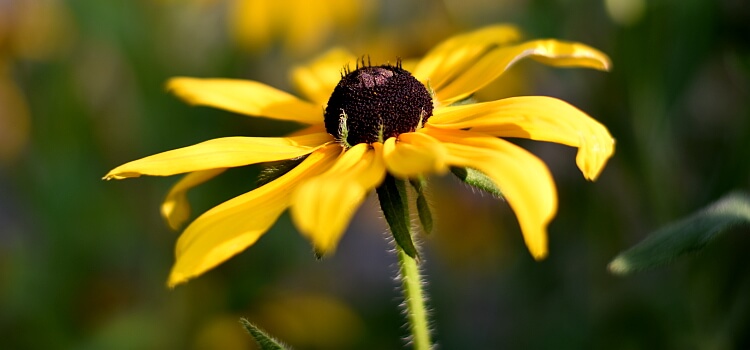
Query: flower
355,137
299,25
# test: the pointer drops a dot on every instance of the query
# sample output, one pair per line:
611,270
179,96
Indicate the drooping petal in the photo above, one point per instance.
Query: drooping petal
317,80
224,152
537,118
414,154
323,206
176,208
451,57
523,179
234,225
483,70
245,97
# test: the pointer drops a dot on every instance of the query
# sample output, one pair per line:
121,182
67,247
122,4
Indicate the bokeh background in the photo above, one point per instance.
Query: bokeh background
83,262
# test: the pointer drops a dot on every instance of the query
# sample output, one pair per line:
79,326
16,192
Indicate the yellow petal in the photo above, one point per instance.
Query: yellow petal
316,80
323,206
537,118
224,152
176,208
234,225
453,56
312,129
522,178
410,64
483,70
245,97
414,154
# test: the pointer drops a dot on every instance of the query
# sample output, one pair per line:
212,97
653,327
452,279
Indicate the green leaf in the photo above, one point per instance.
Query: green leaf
687,235
265,341
477,179
274,170
423,208
392,197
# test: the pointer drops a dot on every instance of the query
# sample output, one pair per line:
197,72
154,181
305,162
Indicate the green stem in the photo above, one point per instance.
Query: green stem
414,300
393,201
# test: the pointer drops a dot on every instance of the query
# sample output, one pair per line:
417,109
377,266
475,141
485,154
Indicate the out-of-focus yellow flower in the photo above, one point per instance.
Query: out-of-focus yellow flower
302,26
29,30
309,320
375,120
35,30
221,332
14,118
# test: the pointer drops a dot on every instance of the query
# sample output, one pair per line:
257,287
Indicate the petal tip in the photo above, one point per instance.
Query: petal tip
539,254
112,175
174,281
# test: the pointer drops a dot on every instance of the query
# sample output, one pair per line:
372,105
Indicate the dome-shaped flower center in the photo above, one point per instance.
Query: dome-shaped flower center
372,104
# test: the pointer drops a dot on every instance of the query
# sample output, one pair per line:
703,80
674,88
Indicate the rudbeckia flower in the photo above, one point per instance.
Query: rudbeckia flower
405,121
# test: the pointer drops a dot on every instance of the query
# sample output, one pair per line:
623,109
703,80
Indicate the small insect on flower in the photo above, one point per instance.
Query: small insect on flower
377,122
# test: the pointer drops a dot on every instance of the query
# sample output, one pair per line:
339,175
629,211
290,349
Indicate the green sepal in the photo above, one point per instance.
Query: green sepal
393,201
477,179
265,341
274,170
423,208
688,235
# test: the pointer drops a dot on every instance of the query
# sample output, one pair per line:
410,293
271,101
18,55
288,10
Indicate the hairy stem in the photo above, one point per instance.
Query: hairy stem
393,201
414,298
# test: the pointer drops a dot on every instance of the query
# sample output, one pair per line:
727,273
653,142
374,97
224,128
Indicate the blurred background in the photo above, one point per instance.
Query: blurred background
84,262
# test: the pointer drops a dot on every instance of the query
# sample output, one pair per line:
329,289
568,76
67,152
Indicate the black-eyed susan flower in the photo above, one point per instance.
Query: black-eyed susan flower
370,123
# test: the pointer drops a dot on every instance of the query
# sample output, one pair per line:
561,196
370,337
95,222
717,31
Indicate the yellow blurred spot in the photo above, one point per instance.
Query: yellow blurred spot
301,26
222,332
39,29
309,321
625,12
14,120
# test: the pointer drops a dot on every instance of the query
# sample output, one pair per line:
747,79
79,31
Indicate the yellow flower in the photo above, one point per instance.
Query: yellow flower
372,121
300,25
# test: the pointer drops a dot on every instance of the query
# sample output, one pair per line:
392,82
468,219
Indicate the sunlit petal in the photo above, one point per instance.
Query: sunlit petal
452,57
224,152
537,118
245,97
176,208
316,80
323,206
493,63
311,129
522,178
234,225
414,154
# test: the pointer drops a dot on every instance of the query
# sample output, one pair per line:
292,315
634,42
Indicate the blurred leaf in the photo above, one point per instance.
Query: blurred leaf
423,208
392,197
687,235
265,341
477,179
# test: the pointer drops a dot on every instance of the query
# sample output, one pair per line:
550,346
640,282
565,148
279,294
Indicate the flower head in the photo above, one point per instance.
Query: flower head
401,120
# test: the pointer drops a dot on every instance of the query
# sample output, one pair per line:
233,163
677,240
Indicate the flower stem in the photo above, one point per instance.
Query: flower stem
393,201
411,283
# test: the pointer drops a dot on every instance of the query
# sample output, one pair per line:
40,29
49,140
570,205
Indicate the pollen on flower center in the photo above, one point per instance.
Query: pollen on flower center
371,104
